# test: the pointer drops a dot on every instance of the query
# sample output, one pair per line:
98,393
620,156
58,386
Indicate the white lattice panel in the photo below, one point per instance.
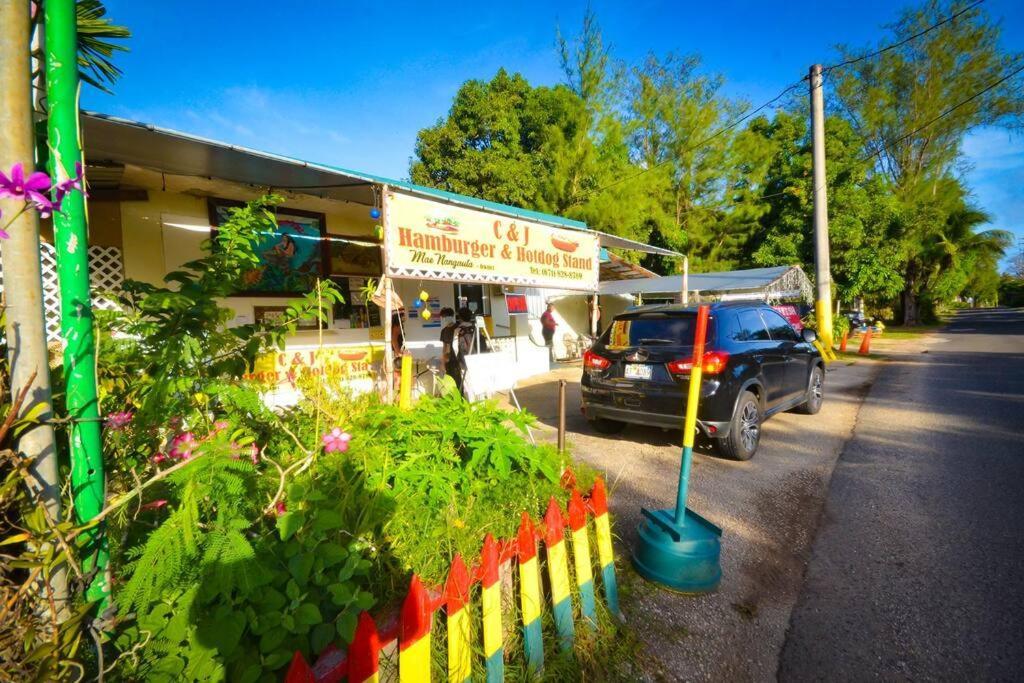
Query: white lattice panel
106,275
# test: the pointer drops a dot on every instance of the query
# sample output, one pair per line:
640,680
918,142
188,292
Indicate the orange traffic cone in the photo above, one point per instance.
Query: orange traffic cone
842,342
865,345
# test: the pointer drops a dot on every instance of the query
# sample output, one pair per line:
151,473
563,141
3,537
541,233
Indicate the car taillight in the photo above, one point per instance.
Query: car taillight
592,361
714,363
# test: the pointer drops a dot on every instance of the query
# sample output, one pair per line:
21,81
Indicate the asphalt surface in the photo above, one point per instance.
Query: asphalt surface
768,508
917,571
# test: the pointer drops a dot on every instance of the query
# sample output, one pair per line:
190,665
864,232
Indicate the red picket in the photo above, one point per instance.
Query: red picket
416,614
364,652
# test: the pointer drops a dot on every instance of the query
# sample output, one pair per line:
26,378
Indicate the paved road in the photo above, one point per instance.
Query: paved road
918,568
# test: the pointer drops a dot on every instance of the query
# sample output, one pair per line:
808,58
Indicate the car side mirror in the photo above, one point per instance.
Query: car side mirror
809,335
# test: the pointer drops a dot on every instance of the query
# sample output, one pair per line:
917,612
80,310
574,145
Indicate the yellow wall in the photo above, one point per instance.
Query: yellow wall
164,232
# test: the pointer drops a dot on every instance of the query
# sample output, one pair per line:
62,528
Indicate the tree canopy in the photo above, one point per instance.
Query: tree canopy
654,151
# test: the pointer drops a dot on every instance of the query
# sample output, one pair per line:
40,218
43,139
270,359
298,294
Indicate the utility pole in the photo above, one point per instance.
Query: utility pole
23,288
822,272
686,281
71,239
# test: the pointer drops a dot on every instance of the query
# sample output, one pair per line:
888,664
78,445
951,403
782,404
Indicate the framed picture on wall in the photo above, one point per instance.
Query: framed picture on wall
292,256
354,256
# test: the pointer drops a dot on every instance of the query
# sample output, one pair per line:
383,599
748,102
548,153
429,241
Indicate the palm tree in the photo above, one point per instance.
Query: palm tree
95,49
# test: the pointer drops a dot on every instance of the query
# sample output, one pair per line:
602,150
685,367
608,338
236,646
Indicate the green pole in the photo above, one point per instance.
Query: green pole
71,237
690,423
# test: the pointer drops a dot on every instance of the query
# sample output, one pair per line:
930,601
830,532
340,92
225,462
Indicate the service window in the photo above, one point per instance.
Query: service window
473,297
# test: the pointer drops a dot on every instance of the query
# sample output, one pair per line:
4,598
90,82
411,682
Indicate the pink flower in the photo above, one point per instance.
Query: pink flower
221,425
156,504
118,421
44,205
182,446
254,453
3,233
158,458
280,508
17,186
336,440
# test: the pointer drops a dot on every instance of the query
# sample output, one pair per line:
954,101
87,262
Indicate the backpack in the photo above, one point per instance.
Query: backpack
465,336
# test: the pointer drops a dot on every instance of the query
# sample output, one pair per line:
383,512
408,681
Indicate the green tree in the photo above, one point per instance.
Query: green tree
679,136
864,262
492,143
913,105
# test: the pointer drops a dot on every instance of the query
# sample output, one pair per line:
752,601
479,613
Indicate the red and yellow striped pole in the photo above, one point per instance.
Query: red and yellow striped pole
581,557
364,652
605,556
414,635
558,573
491,589
456,598
529,596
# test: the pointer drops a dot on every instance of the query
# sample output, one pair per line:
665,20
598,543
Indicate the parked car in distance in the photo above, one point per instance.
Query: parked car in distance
755,365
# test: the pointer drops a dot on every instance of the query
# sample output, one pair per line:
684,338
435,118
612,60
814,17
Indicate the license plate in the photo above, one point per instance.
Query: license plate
637,371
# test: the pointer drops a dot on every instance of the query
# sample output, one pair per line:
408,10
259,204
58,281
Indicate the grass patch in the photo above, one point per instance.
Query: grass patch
905,332
851,357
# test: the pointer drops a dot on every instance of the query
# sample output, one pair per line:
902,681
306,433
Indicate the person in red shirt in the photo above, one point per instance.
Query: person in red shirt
548,325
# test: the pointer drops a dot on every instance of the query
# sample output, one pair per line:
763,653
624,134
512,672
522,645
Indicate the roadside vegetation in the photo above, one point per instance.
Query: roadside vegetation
656,152
239,535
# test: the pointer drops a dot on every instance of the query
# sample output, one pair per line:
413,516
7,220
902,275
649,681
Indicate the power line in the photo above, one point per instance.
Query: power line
782,94
902,42
885,147
696,145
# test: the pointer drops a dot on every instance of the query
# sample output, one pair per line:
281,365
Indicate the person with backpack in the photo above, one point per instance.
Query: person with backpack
462,339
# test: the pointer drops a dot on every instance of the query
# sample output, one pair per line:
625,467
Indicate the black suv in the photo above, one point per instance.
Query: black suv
755,365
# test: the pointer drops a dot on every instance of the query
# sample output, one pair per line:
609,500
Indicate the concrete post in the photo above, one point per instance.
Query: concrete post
822,271
23,289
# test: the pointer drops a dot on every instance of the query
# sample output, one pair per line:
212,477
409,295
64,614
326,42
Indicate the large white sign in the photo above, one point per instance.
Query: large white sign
430,240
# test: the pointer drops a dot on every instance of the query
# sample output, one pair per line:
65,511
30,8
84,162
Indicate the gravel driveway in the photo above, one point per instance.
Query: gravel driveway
768,507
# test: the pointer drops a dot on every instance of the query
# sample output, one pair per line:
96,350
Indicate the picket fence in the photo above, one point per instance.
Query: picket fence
410,634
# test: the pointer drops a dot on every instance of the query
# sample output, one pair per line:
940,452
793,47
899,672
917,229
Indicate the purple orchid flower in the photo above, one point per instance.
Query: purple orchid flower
64,187
16,185
3,233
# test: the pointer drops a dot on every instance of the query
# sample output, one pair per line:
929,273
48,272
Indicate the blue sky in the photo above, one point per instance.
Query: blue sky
351,83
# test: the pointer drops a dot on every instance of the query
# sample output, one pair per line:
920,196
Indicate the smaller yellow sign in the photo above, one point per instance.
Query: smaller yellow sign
344,363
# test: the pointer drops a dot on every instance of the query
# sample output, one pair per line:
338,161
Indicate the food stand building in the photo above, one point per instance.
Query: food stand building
156,194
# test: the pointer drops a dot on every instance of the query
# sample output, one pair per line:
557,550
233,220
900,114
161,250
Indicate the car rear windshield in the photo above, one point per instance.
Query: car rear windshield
651,330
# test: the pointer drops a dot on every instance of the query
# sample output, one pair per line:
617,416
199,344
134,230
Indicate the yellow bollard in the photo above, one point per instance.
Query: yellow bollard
405,386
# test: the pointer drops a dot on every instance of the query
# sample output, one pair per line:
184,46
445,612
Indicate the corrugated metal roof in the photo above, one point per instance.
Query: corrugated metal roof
110,138
751,279
113,138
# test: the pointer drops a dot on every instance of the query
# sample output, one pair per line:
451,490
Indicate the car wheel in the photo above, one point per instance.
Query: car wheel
744,431
815,392
606,426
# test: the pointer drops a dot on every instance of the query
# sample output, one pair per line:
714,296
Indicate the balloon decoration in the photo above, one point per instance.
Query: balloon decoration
380,232
423,295
425,314
375,213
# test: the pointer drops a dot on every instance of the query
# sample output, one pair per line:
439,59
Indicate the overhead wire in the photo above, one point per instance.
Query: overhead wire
696,145
903,42
825,71
947,112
